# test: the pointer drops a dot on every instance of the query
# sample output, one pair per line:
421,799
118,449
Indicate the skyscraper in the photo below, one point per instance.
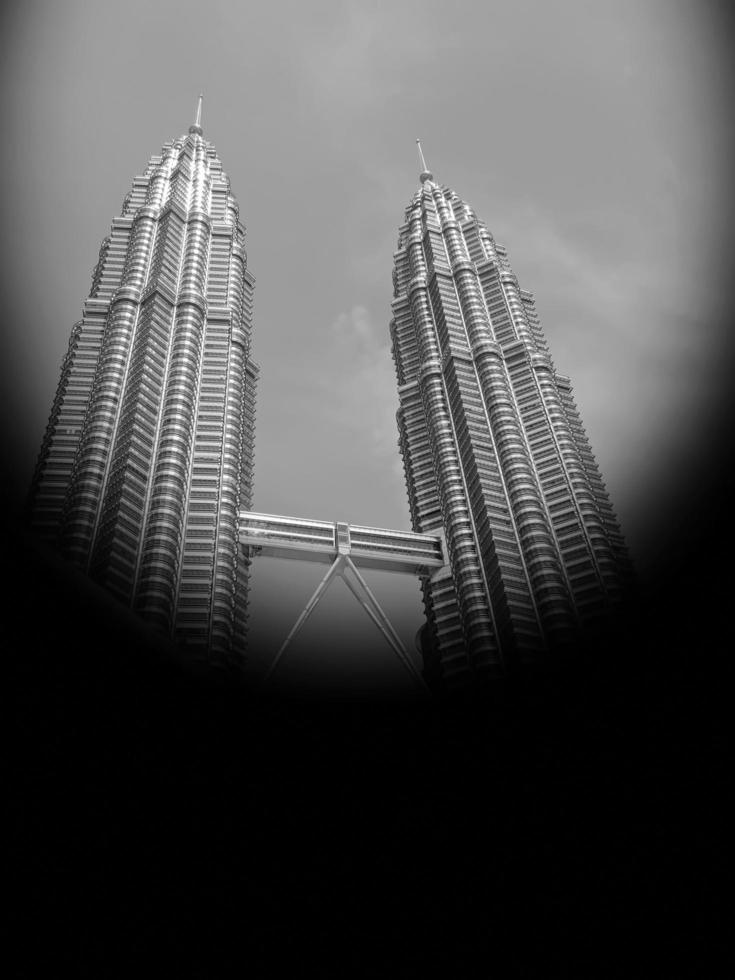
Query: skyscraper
147,458
494,452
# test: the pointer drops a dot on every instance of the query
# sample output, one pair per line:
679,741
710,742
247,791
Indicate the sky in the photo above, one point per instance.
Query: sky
593,139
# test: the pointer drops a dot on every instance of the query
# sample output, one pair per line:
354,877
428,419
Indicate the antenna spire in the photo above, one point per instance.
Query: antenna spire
426,174
197,125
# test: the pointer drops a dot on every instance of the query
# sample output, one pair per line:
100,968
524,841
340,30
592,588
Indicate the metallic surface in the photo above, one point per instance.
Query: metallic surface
147,458
494,453
321,541
145,473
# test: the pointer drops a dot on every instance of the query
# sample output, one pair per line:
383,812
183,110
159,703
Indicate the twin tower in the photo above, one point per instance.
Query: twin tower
145,474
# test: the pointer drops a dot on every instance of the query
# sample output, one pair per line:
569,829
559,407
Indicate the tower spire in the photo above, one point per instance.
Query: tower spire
196,127
425,174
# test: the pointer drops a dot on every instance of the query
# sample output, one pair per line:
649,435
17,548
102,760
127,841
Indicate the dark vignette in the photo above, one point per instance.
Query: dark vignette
562,825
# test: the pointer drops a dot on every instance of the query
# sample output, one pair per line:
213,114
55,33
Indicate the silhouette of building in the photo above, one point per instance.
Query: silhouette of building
147,459
494,452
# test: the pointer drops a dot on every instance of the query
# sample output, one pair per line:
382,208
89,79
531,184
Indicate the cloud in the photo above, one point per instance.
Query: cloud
364,381
360,53
355,328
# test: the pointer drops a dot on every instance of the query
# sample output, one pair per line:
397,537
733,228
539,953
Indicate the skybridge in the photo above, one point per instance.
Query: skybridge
345,548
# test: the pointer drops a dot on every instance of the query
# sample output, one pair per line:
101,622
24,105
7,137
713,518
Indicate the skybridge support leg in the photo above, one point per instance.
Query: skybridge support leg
360,589
371,606
309,608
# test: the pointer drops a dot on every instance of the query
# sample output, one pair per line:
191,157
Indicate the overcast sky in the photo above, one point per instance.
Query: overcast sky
593,138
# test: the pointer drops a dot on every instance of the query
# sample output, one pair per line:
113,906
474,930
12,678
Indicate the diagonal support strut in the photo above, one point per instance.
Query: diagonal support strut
374,610
309,608
369,603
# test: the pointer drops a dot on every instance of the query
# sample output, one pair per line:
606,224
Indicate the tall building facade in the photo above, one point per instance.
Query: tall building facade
494,452
147,459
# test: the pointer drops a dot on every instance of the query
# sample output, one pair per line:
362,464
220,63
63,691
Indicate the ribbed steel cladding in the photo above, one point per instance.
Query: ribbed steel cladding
464,474
426,339
581,490
52,470
237,426
468,572
448,318
137,430
87,481
223,605
86,487
579,483
247,453
138,382
528,509
471,435
227,612
460,538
